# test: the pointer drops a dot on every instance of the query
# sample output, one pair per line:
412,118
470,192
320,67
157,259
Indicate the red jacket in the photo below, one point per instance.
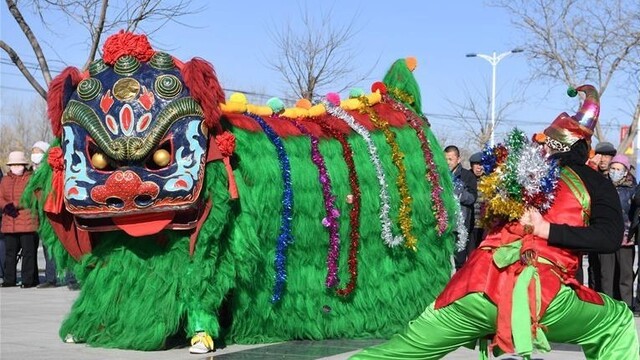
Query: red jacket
11,189
481,274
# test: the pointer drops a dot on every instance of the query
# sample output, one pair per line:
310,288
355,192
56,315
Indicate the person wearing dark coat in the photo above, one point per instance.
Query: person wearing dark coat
466,189
616,269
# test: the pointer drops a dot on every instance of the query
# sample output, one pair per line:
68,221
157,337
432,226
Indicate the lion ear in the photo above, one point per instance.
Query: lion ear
60,90
202,81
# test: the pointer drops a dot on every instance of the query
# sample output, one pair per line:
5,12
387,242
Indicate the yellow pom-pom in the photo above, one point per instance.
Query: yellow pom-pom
317,110
374,98
259,110
294,113
238,98
351,104
233,107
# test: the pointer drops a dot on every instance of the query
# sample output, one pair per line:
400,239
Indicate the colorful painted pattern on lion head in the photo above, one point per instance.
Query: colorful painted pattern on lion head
134,136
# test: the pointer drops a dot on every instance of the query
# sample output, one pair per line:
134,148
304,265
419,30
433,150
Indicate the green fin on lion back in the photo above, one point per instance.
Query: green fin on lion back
402,85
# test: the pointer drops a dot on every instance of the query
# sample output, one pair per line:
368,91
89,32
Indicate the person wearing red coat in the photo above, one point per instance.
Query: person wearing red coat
19,225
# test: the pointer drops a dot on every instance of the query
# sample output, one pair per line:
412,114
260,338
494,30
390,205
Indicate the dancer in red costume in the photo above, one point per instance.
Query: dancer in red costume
518,289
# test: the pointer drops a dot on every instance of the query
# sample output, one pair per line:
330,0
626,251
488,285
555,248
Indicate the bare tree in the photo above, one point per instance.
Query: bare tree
473,113
319,55
26,128
572,42
97,17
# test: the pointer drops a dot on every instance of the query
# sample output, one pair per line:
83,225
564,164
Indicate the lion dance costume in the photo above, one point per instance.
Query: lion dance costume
185,214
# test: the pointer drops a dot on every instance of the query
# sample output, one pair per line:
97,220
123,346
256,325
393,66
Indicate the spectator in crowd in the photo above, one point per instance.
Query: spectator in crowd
19,225
634,233
604,153
616,269
38,150
2,247
466,189
478,229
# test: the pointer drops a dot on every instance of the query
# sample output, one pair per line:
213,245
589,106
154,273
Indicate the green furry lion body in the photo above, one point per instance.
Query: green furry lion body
137,292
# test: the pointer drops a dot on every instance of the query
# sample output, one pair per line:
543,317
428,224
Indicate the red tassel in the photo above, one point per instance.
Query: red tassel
57,98
55,200
200,77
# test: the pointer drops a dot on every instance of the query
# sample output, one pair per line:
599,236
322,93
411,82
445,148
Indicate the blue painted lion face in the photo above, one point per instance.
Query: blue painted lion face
134,145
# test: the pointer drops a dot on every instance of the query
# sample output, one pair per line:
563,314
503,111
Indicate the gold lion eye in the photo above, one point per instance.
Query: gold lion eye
99,161
161,157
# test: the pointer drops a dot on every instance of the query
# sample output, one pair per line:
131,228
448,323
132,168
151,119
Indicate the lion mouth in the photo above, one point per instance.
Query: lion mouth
143,224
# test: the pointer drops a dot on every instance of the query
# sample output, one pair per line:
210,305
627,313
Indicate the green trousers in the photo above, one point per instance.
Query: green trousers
605,332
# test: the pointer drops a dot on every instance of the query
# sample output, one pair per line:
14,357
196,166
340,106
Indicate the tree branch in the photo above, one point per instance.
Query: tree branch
23,69
33,41
96,35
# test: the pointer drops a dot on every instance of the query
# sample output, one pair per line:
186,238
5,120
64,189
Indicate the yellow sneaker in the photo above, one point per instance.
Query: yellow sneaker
201,343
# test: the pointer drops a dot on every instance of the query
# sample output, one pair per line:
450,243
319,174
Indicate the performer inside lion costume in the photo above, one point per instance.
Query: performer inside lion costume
176,208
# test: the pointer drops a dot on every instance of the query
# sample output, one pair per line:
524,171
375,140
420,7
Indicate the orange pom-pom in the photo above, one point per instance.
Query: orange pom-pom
126,43
303,104
412,62
539,138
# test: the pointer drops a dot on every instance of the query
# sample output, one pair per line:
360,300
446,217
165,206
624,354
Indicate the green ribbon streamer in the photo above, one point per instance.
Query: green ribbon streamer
507,254
520,317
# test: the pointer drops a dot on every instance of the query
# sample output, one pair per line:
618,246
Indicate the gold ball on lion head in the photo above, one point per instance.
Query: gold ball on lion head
161,157
99,161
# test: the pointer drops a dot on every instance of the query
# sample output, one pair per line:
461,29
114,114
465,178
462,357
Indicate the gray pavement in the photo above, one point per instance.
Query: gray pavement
30,319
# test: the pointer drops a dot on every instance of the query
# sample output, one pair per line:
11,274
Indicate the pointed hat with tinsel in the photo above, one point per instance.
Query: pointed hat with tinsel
566,130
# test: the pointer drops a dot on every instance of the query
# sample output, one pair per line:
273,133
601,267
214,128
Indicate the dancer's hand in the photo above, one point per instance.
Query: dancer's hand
533,218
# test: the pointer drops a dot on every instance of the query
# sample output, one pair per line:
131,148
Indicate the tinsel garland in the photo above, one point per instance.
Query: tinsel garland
285,238
519,176
397,156
462,234
354,214
432,175
386,234
331,219
401,95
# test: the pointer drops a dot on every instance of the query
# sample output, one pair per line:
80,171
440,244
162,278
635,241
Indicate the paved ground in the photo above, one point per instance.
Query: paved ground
30,318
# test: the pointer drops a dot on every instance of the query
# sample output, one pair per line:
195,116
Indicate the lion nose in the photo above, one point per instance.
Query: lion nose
125,190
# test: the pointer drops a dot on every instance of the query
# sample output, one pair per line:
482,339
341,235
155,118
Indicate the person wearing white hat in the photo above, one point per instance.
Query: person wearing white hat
37,153
19,226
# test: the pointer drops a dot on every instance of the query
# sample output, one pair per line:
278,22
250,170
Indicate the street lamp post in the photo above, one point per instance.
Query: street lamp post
494,60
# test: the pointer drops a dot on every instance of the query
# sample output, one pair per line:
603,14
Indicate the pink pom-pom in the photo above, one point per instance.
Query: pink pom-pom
333,99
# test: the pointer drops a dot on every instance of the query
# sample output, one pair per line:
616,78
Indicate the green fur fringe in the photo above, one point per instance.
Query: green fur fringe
394,285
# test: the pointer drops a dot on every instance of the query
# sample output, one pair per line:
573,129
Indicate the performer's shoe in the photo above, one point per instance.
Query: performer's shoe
201,343
69,339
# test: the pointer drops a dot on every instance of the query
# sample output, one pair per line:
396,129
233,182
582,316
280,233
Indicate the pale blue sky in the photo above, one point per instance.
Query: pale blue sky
233,36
